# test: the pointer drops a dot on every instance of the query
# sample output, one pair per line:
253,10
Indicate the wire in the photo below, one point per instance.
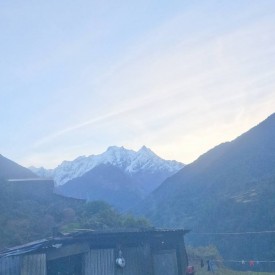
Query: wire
238,233
233,233
243,261
198,259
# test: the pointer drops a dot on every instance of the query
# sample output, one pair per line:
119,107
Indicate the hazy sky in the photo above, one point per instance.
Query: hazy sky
177,76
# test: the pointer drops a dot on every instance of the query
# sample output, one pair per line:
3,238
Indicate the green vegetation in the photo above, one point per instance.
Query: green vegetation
223,271
26,218
211,253
99,215
231,188
202,252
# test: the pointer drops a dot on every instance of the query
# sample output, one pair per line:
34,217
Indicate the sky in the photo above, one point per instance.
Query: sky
177,76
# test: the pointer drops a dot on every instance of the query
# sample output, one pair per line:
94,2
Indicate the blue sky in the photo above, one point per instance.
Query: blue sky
177,76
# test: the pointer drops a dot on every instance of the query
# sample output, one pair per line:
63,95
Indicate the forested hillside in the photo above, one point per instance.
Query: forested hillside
29,218
231,188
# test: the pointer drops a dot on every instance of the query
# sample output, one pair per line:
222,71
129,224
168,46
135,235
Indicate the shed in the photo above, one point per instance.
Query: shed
131,252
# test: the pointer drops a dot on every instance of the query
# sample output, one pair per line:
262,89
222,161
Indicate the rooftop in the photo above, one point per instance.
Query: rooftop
93,236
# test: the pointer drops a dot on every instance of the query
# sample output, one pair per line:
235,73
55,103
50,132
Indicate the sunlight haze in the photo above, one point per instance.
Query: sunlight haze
177,76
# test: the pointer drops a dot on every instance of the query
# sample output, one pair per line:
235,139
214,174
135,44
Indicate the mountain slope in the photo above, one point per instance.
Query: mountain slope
104,182
30,210
144,167
10,169
27,217
230,188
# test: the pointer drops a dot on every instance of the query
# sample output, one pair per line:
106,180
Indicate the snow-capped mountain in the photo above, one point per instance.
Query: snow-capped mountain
143,166
104,182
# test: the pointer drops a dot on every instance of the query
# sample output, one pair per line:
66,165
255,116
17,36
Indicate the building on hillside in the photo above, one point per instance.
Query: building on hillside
131,252
36,187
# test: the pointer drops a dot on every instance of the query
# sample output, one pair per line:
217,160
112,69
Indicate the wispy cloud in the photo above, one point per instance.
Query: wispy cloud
187,83
179,83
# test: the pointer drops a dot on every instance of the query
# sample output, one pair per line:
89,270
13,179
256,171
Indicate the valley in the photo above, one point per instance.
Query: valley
222,197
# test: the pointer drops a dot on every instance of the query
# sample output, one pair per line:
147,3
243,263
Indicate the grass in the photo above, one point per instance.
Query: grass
222,271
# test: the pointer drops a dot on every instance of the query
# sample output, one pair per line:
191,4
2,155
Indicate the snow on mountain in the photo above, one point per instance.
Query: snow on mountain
42,172
129,161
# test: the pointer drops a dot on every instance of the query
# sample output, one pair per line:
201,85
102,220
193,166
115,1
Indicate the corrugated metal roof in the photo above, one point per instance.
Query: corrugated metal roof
23,249
84,234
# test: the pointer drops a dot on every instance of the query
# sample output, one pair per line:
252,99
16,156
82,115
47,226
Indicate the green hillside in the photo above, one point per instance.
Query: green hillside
27,217
231,188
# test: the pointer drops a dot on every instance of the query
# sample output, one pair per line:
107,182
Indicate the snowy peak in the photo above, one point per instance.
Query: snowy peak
145,150
143,161
116,149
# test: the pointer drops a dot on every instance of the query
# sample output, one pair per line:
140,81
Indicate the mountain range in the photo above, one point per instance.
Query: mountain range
223,197
119,176
231,188
30,210
104,182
